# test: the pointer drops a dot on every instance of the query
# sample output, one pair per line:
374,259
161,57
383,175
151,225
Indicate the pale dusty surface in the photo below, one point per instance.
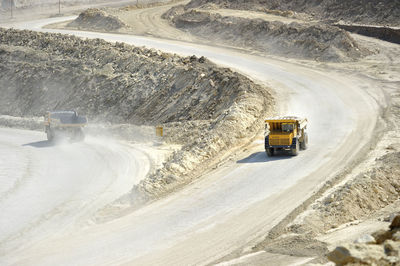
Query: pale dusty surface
216,216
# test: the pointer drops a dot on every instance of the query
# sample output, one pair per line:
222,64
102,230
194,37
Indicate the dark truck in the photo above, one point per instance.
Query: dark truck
64,124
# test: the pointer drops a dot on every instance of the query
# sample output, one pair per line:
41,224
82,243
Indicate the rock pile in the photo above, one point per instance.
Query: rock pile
380,248
96,19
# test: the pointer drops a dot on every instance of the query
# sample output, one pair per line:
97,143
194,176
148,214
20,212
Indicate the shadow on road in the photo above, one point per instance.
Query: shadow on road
40,144
261,157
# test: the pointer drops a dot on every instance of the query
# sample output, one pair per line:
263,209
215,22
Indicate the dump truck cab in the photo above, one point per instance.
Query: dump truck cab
285,133
64,124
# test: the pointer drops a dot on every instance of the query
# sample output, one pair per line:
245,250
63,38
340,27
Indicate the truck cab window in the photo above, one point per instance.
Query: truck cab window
287,127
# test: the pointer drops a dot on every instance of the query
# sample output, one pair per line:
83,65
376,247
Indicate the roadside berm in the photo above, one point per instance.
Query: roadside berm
300,40
197,102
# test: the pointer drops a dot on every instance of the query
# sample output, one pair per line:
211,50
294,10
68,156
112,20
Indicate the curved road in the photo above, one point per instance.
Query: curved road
239,203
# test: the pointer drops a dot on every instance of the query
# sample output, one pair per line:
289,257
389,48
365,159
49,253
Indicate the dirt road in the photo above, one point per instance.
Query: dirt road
49,189
236,205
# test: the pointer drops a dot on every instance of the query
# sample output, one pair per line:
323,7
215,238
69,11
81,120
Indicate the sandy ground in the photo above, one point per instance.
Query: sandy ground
225,213
190,222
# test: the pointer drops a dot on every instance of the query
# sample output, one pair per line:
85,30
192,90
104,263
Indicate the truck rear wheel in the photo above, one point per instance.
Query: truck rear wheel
270,152
304,143
50,134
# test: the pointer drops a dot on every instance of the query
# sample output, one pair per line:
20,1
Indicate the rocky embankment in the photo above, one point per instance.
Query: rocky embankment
383,33
380,248
205,108
300,40
385,12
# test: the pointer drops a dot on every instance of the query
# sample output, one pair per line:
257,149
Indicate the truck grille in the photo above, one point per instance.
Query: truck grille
279,142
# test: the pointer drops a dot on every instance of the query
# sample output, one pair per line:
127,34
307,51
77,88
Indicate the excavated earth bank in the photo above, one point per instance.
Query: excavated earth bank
205,108
385,12
302,40
383,33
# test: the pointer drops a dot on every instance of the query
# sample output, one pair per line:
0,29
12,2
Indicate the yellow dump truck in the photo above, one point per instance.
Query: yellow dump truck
285,133
64,124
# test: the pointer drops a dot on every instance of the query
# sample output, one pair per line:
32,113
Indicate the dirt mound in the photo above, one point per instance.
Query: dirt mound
119,83
315,41
359,11
96,19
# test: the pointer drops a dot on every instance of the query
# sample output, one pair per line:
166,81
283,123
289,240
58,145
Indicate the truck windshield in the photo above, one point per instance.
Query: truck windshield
287,127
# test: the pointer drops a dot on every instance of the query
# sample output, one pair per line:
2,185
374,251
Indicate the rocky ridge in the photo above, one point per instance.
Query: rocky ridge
386,12
300,40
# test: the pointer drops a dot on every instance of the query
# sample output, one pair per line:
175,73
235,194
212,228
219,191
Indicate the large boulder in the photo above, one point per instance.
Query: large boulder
356,253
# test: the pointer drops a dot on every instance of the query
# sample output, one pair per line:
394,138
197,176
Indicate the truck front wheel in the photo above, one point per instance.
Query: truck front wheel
50,134
79,135
270,152
295,151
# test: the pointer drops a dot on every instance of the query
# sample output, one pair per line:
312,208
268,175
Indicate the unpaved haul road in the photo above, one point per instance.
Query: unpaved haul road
239,203
48,189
